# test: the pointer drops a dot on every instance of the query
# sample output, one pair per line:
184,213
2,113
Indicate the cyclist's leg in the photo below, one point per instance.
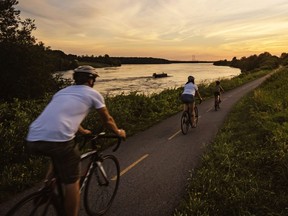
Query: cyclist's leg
185,107
36,148
215,97
66,161
68,170
188,100
72,198
184,100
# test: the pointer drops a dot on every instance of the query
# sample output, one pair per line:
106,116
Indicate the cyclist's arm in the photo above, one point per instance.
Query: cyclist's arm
109,122
83,130
198,95
221,89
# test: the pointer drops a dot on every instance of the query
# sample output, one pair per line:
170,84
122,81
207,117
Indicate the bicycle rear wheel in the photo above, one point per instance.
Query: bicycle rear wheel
216,105
185,121
102,185
37,203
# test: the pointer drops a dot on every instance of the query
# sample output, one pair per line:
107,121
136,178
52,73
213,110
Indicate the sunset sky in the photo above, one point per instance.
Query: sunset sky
170,29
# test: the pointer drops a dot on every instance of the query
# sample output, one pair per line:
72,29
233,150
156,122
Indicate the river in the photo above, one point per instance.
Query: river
138,77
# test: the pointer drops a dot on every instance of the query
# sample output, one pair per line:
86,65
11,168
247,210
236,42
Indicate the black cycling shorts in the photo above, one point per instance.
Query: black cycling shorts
187,98
65,157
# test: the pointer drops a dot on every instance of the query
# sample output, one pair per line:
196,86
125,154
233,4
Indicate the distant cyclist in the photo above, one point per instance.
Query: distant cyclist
52,133
188,97
217,91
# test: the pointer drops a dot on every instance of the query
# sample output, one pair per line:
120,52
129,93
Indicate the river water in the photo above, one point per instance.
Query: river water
138,77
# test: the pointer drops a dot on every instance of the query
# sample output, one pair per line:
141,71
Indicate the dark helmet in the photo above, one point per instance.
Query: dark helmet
83,73
191,79
217,82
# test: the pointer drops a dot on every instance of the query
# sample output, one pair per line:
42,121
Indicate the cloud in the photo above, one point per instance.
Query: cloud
151,26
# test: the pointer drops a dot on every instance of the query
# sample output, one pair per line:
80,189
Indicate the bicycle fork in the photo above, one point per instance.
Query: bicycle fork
103,174
100,173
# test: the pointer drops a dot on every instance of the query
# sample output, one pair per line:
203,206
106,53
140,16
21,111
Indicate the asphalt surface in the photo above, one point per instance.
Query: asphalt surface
157,162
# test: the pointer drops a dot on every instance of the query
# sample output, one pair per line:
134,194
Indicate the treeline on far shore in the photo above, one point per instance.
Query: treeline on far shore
263,61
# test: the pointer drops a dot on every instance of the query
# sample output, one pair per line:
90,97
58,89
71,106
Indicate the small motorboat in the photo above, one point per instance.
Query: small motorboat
160,75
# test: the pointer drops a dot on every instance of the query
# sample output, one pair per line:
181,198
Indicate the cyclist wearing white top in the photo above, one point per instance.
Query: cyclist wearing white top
188,97
52,133
61,118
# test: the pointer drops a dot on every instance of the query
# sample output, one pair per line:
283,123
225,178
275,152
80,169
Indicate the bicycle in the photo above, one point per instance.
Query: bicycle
217,102
101,171
186,119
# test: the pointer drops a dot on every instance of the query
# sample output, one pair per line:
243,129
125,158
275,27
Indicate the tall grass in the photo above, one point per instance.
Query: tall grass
245,170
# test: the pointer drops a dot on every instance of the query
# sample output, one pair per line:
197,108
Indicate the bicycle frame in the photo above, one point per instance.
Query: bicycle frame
95,159
90,166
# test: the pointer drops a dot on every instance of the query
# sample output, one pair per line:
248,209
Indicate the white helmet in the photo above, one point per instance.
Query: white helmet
86,70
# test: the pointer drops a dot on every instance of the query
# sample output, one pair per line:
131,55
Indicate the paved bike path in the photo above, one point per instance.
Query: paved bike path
157,161
155,164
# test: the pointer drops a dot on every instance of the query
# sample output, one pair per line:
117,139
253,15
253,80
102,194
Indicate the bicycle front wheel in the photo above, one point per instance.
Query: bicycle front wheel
102,185
185,121
37,203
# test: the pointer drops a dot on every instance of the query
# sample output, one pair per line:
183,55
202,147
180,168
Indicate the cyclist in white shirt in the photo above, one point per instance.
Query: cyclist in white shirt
52,133
188,97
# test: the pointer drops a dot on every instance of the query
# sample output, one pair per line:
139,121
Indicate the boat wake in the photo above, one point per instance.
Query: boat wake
124,79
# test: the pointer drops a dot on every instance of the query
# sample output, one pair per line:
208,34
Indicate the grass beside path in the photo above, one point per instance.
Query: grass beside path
245,170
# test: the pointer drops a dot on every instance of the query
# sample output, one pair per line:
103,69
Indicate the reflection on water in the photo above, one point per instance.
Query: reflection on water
127,78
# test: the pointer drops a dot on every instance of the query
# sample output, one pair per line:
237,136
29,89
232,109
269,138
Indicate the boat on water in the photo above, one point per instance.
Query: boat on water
160,75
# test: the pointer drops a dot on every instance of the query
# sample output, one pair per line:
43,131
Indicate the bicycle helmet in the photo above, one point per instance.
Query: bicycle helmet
83,73
191,79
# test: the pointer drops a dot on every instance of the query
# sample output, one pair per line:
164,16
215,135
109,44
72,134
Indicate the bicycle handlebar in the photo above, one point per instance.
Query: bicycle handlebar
102,135
119,139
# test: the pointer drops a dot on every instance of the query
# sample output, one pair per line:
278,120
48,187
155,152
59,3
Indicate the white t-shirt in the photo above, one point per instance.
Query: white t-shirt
190,89
62,117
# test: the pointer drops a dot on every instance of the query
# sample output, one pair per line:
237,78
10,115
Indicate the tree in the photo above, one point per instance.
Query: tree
284,59
12,29
25,71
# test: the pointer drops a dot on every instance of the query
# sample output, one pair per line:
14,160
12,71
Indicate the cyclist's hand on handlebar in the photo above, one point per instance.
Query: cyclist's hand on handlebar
122,133
84,131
